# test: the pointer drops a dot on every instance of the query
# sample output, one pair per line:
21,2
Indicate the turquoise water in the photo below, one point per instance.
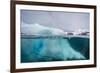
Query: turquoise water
39,49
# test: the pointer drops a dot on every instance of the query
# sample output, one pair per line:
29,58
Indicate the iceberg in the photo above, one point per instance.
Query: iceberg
46,49
37,29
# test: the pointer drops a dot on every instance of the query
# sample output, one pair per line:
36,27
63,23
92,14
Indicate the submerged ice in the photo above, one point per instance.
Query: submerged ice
46,49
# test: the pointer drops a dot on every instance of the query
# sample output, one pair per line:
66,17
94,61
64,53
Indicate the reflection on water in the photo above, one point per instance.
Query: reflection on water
42,49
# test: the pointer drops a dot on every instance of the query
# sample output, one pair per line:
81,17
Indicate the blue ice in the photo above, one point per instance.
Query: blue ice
47,49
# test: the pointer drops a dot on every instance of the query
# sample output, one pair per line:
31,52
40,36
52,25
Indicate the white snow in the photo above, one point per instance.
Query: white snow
37,29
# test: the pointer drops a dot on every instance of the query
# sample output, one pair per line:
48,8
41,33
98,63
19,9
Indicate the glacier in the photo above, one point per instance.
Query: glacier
52,48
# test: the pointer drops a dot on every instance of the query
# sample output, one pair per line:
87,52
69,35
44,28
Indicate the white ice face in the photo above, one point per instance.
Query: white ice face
37,29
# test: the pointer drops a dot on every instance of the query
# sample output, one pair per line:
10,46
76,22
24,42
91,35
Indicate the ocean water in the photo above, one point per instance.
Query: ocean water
46,49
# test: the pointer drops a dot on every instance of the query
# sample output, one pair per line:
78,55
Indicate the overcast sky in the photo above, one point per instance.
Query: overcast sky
67,21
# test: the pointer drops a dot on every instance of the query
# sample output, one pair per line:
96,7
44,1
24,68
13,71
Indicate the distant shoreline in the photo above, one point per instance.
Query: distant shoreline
54,36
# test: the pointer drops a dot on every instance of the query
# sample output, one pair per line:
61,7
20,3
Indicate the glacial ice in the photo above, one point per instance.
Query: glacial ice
48,49
37,29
